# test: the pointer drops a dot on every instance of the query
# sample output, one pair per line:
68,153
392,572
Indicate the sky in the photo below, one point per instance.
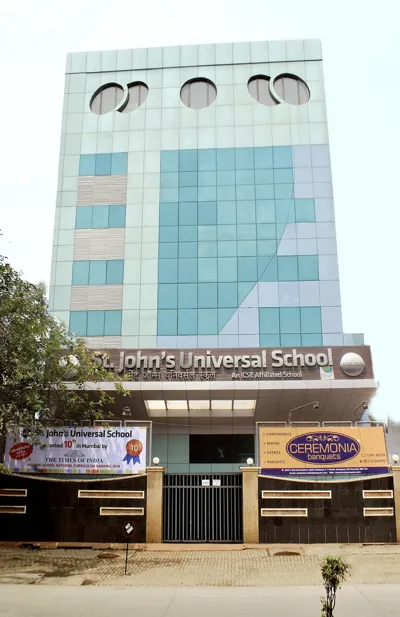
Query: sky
361,50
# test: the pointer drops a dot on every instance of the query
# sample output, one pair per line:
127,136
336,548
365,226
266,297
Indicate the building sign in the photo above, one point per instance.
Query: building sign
235,364
91,450
320,451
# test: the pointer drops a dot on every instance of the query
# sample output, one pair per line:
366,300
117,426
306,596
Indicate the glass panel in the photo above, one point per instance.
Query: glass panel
198,93
259,89
221,448
292,89
137,94
106,98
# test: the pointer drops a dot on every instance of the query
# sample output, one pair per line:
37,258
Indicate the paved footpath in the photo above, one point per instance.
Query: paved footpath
212,566
38,601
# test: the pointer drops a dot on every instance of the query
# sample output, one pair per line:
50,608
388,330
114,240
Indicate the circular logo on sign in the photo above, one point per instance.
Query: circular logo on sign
352,364
20,451
323,448
134,447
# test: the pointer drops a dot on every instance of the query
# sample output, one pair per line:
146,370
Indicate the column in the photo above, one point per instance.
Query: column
154,504
396,492
250,505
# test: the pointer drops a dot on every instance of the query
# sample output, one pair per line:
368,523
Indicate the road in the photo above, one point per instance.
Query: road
58,601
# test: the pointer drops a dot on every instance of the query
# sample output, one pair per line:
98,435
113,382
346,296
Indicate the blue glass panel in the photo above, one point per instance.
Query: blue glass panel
226,212
167,296
207,159
187,160
284,211
247,248
224,315
282,156
167,322
246,212
227,295
268,269
290,340
207,178
97,272
265,191
207,321
169,160
187,233
95,323
283,176
168,214
207,233
284,191
207,249
226,177
115,272
266,247
287,268
187,321
227,269
187,295
246,232
103,165
83,217
270,340
308,268
169,194
245,176
265,211
245,191
263,158
227,248
244,158
169,180
187,270
226,158
188,249
226,232
207,193
188,193
289,320
78,322
80,273
207,294
207,270
188,178
168,234
226,193
311,340
264,176
168,250
305,210
100,217
269,320
247,269
117,216
87,165
167,270
119,163
207,212
266,231
112,323
311,320
188,213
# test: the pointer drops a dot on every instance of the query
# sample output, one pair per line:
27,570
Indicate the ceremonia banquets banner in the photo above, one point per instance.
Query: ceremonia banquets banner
322,451
92,450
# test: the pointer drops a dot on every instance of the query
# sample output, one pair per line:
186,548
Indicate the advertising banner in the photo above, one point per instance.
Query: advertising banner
322,451
92,450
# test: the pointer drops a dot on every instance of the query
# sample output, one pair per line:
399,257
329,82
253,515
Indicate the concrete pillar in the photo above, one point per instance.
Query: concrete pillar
251,533
154,504
396,492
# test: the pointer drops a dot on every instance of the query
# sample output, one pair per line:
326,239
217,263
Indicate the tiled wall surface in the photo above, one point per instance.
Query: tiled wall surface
215,226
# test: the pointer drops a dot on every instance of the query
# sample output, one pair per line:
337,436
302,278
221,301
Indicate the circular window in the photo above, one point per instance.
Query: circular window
106,98
258,86
137,94
291,89
198,93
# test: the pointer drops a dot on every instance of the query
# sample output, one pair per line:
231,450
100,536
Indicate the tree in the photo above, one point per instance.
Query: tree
39,362
333,573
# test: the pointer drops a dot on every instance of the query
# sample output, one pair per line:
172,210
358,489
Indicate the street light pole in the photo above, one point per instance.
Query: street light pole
315,404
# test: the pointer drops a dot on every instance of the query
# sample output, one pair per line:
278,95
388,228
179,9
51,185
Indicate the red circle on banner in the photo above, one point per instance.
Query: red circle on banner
20,451
134,447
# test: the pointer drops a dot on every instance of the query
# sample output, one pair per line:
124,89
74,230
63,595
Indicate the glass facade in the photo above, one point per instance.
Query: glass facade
197,181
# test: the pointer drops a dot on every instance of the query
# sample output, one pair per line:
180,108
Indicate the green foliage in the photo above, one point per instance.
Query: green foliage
334,573
34,385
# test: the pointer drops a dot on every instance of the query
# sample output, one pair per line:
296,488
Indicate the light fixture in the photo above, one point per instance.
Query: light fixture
244,404
315,404
395,459
155,405
221,404
193,405
156,460
126,412
250,462
177,404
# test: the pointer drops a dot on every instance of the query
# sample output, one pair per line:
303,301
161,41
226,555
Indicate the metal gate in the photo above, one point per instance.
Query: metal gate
203,508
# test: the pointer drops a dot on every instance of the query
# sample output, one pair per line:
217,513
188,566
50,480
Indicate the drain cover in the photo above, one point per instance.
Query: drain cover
286,554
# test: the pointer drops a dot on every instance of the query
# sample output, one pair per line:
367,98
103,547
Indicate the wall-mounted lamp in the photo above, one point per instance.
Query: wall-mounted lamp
395,459
315,404
250,462
156,461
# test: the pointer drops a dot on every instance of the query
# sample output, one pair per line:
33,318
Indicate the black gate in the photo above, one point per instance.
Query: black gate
203,508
